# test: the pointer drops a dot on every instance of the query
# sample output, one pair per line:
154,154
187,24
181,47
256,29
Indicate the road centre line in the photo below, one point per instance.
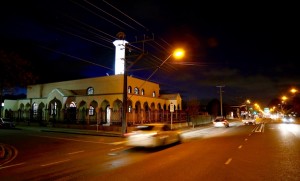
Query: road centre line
228,161
12,165
53,163
71,153
240,146
118,143
116,149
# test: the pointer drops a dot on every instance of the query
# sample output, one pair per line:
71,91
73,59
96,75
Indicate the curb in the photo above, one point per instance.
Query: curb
83,132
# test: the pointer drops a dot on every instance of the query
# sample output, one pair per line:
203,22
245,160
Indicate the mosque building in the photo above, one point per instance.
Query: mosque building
97,100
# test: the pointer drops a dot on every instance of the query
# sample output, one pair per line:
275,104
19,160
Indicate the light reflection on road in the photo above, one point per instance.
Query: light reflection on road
290,128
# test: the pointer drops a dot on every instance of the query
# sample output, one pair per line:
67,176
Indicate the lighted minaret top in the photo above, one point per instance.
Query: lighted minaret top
120,53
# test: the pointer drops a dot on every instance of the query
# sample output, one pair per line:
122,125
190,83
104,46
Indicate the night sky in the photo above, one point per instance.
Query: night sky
252,49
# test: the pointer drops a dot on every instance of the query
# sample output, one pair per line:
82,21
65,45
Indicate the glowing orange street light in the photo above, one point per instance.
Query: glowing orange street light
178,53
293,90
284,98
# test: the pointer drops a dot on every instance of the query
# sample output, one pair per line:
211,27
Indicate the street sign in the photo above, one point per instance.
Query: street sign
171,107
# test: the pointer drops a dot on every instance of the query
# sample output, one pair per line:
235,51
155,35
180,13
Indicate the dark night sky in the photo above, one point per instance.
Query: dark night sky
250,48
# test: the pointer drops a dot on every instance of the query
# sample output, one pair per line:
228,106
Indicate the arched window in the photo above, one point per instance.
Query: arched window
90,91
136,90
129,109
73,104
129,89
35,108
54,108
91,111
153,94
143,92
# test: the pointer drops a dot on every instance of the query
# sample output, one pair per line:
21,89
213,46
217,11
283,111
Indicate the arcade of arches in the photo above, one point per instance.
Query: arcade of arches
94,112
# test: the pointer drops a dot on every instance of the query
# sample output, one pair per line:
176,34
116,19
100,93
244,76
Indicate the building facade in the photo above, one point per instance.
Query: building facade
95,101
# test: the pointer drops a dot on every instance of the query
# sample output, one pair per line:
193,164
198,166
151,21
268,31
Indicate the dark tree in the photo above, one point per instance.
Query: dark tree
14,72
193,107
213,107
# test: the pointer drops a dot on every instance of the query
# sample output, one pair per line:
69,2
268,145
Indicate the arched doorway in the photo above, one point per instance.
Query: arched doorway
82,112
54,110
138,114
105,113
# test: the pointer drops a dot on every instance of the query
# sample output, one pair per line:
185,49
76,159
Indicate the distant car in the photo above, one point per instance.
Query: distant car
6,123
220,122
249,121
153,135
288,119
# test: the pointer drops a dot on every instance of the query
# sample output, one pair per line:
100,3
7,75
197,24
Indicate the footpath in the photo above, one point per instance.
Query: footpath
94,131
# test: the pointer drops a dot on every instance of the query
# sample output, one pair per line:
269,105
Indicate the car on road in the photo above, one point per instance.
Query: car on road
6,123
249,121
220,122
153,135
288,119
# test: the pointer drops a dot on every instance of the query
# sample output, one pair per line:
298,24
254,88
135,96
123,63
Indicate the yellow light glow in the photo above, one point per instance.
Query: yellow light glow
284,98
293,90
178,53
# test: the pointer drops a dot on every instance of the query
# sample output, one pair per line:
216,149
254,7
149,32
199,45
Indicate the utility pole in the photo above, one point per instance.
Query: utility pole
220,87
121,68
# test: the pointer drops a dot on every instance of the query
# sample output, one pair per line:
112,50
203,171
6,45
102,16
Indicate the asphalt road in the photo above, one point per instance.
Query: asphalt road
267,151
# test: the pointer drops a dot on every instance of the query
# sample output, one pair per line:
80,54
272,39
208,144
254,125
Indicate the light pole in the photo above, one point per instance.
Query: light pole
178,53
283,102
293,100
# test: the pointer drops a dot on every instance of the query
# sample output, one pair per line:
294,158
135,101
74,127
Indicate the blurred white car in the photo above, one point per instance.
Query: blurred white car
288,119
249,121
153,135
220,122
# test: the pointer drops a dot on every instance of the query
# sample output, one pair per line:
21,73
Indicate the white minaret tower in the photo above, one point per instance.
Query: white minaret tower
120,53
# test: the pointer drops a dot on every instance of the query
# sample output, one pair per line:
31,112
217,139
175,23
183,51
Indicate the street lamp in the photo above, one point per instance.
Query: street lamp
293,90
177,53
283,98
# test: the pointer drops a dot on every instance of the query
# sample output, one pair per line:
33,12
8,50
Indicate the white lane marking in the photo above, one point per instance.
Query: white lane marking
240,146
259,128
53,163
12,165
71,153
116,149
246,139
118,143
228,161
72,139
